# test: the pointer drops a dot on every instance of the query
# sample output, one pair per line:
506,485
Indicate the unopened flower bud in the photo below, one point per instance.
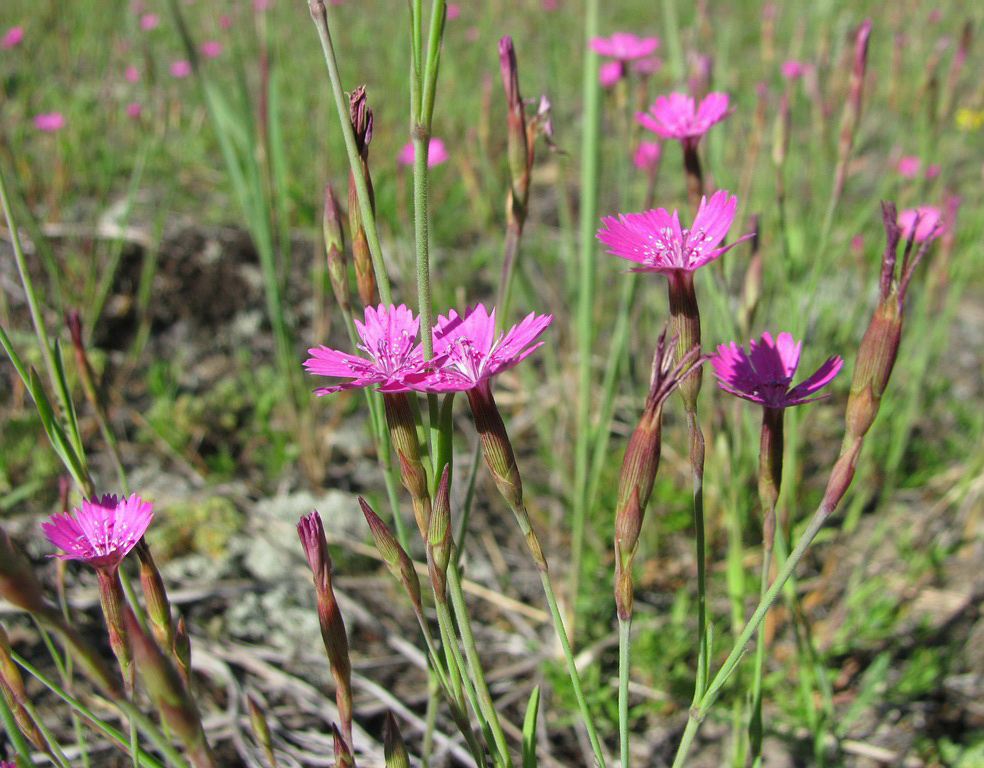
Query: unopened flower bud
158,606
361,117
331,225
439,543
519,150
261,729
113,604
397,560
343,752
394,750
852,105
182,651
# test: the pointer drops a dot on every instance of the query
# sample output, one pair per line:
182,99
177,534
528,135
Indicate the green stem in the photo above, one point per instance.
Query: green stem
755,726
475,664
585,295
696,438
699,711
320,16
623,689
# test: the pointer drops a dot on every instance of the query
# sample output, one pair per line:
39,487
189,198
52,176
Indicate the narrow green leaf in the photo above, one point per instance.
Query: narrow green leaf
529,729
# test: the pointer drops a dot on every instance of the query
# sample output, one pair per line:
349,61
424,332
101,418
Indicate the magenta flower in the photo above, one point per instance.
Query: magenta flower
676,117
134,110
791,69
453,11
655,241
389,340
468,352
49,122
623,46
763,375
11,38
210,49
180,68
131,74
100,532
908,166
646,155
225,21
924,221
610,72
437,153
149,21
932,171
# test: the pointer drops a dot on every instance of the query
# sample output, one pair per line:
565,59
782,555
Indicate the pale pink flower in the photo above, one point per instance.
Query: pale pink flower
610,72
180,68
908,166
49,122
468,352
924,221
453,11
646,155
134,110
623,46
437,153
261,5
655,241
550,5
225,21
102,531
131,74
764,374
932,171
149,21
11,38
676,117
791,69
647,65
210,49
389,341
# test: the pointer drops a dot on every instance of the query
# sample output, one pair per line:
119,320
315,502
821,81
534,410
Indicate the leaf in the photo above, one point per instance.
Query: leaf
529,729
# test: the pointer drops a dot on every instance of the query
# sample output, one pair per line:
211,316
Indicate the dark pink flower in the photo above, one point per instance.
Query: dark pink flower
149,21
389,340
49,122
131,74
133,110
764,373
646,155
100,532
468,351
180,68
655,241
908,166
791,69
437,153
610,72
676,117
924,221
210,49
11,38
624,46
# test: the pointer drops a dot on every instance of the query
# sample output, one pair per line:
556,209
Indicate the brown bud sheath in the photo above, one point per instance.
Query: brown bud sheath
394,750
261,729
640,464
312,535
361,117
403,434
685,328
331,225
13,690
852,105
519,148
158,606
113,604
397,560
439,543
176,707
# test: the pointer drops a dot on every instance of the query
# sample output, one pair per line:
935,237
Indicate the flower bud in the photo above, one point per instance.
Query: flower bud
113,604
397,561
158,606
361,117
394,750
439,543
519,148
182,651
852,105
343,753
261,729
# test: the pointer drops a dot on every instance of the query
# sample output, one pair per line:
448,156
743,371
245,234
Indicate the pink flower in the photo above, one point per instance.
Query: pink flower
791,69
647,65
180,68
676,117
389,339
225,21
610,72
49,122
468,353
131,74
210,49
101,532
550,5
934,16
924,221
11,38
655,241
763,375
454,11
261,5
932,171
908,166
646,156
133,110
437,153
623,46
149,21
